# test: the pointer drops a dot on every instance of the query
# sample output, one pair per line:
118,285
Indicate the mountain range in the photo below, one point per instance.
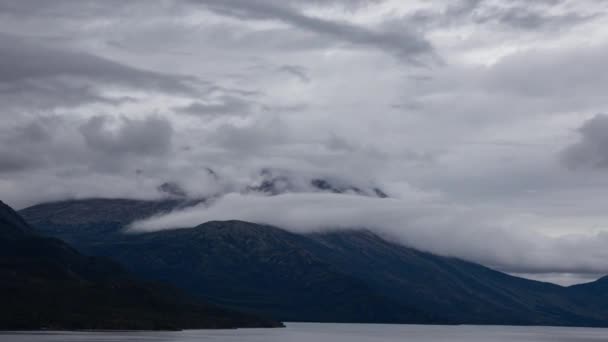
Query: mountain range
334,276
47,284
271,182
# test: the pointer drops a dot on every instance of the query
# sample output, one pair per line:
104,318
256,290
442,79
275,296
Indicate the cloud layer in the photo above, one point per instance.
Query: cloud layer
441,228
489,106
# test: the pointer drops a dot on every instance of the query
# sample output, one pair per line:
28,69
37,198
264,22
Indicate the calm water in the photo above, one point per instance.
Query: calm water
308,332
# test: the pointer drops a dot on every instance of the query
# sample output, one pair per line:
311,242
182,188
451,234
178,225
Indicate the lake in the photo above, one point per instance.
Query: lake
314,332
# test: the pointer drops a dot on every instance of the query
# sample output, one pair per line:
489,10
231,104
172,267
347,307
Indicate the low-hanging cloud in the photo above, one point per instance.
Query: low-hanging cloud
433,226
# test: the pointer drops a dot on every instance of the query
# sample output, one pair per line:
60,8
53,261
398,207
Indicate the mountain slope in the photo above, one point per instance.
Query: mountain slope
337,276
44,283
594,294
462,291
13,225
254,268
101,210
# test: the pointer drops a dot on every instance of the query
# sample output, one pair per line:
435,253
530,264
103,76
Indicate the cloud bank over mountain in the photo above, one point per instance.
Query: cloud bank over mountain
489,106
415,221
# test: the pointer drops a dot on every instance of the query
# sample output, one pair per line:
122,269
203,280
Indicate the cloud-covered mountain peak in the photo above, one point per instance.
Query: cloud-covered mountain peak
172,189
277,182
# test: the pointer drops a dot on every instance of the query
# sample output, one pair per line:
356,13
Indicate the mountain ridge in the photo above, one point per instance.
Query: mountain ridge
264,269
47,284
14,225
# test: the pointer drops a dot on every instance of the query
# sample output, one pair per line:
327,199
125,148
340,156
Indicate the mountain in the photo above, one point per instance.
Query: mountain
598,288
45,283
246,267
593,294
460,291
276,182
269,182
339,276
76,212
13,225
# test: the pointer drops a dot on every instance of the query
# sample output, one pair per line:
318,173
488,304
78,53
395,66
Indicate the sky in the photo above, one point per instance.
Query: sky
485,121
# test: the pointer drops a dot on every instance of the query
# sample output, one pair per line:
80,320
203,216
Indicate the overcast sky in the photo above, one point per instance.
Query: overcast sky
486,121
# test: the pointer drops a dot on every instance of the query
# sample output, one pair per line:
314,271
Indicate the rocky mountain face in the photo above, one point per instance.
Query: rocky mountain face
340,276
47,284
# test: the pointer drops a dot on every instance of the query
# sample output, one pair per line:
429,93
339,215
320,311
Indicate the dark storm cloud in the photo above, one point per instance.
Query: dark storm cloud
592,148
151,136
23,61
406,45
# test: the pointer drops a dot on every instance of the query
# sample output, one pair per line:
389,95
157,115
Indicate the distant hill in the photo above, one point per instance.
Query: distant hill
341,276
46,284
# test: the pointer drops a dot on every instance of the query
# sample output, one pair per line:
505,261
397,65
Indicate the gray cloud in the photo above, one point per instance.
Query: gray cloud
592,148
151,136
23,60
60,8
523,18
222,106
21,145
526,16
407,45
489,130
245,139
49,93
101,143
37,73
35,132
12,160
534,16
296,71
